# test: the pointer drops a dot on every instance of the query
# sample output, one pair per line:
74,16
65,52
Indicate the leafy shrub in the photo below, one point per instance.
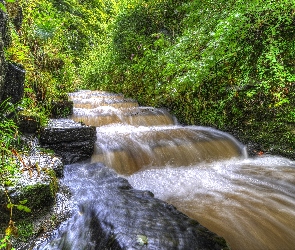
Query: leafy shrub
229,64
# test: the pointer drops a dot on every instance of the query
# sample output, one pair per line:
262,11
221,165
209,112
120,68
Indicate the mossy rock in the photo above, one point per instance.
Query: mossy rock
28,123
37,184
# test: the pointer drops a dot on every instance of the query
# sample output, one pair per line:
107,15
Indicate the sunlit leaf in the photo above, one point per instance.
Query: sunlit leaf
23,202
10,205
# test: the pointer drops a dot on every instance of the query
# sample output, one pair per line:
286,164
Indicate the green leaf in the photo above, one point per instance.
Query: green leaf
23,202
20,207
2,7
10,205
8,183
23,208
27,210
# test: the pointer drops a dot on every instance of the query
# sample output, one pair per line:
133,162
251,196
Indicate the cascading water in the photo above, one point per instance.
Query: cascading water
132,138
203,172
250,202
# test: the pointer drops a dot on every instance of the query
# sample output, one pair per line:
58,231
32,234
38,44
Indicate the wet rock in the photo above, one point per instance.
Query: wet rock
47,162
12,76
28,123
70,140
113,215
36,183
14,82
2,68
4,34
15,14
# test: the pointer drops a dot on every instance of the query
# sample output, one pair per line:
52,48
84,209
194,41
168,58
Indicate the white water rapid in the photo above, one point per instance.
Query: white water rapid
203,172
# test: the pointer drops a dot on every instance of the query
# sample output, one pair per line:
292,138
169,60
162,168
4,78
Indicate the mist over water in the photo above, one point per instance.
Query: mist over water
203,172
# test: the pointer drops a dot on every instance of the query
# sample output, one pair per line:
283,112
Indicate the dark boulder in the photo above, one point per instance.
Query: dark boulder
70,140
2,68
12,75
28,123
14,82
3,43
4,33
112,215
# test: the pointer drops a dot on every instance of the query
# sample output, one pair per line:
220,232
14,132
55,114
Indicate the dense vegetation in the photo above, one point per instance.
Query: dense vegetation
226,64
229,64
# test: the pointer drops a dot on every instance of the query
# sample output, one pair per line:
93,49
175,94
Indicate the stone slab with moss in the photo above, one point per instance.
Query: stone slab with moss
37,183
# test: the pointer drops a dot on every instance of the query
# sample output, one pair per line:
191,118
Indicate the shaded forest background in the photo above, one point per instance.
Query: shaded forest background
226,64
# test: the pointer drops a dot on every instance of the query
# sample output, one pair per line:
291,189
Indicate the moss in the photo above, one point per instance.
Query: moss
44,192
40,194
54,182
25,229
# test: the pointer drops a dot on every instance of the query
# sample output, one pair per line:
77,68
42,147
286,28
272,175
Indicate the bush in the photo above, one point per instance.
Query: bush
225,64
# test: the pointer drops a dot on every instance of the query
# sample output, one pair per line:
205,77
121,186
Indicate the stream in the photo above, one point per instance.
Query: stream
203,172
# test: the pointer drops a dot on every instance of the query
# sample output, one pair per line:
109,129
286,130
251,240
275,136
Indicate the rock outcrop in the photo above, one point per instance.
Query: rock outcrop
14,83
113,215
37,183
70,140
3,43
12,76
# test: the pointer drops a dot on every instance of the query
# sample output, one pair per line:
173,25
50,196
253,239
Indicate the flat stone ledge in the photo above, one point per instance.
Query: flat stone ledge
66,130
72,141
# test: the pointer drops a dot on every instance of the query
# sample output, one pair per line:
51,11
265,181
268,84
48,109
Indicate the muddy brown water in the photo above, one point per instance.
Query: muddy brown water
203,172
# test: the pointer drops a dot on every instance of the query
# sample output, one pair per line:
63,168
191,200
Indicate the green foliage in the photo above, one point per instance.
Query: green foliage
25,230
2,6
12,230
145,26
8,140
50,44
5,243
226,64
9,166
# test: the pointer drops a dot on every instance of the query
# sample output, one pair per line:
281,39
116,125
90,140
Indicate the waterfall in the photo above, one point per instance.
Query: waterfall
203,172
132,138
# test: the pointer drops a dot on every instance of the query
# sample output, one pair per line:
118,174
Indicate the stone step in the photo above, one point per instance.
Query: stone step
136,116
70,140
130,152
94,99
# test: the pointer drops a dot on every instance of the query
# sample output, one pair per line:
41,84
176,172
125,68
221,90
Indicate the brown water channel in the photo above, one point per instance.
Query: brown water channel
205,173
